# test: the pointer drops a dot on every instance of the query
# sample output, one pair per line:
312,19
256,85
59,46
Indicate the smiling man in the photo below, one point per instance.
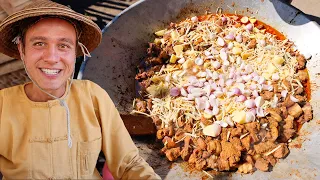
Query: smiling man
54,127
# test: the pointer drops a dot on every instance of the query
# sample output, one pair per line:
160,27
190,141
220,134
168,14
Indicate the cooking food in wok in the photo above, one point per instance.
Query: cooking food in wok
226,92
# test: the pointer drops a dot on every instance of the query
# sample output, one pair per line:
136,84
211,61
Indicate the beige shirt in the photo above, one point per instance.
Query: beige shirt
33,137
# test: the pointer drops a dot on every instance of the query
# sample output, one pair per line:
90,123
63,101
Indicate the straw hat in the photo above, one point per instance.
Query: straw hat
89,32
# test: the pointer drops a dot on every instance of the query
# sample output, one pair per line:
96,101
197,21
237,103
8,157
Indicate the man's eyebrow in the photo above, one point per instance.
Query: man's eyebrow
67,40
37,38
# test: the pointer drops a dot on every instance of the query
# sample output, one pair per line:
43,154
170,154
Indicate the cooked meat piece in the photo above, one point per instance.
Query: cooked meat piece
246,142
274,133
295,110
245,39
238,131
254,137
249,159
288,102
299,91
181,121
187,150
163,151
196,154
141,76
271,160
201,144
287,84
164,56
301,100
144,84
236,143
229,153
173,153
161,133
141,105
154,60
169,50
212,162
188,127
224,134
307,110
245,168
214,147
223,165
284,112
275,114
301,62
156,120
264,147
252,127
153,50
275,88
205,154
171,130
201,164
289,122
262,164
260,26
252,44
173,25
180,134
282,151
149,104
267,95
208,139
286,135
169,142
301,119
303,75
205,121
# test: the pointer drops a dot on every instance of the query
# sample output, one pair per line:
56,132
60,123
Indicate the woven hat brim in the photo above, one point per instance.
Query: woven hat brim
90,32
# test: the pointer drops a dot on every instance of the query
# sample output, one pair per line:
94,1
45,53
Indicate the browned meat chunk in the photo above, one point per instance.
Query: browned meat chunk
288,102
236,143
267,95
238,131
301,100
156,120
289,122
196,154
275,114
144,84
186,151
214,147
201,164
249,159
303,75
169,142
252,127
262,164
212,162
246,142
141,76
161,133
154,60
179,135
229,153
287,84
252,44
173,154
295,110
282,151
153,50
223,165
284,112
271,160
171,130
264,147
301,62
141,105
307,110
149,104
205,154
201,144
274,133
245,168
188,127
286,135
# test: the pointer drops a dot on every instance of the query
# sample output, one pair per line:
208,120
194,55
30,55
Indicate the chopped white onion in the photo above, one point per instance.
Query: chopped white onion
194,19
284,93
198,61
220,41
292,98
250,103
259,101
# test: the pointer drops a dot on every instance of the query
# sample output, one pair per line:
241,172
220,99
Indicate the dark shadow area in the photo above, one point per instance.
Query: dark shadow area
294,18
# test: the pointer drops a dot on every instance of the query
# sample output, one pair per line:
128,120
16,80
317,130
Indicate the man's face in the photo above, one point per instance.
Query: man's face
50,52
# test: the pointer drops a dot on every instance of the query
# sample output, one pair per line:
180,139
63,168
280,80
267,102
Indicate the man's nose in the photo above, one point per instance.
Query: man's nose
51,55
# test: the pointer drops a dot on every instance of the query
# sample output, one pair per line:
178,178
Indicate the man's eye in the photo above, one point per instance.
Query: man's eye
64,46
38,44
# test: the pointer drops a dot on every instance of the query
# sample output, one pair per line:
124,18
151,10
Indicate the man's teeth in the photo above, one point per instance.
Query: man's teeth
50,71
